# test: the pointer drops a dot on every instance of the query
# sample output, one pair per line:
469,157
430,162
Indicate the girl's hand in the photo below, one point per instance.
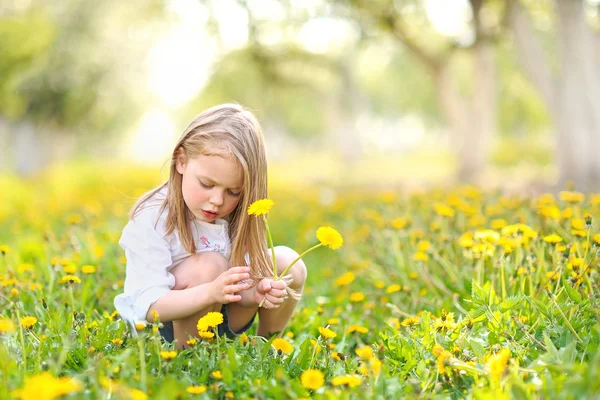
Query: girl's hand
226,286
272,291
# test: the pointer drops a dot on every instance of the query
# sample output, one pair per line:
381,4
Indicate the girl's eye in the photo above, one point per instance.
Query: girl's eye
205,185
234,194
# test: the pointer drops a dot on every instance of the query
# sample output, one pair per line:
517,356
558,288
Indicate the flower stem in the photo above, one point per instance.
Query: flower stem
272,247
24,353
298,258
142,353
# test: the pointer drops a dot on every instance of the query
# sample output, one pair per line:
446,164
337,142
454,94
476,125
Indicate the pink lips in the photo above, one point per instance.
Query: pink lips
208,214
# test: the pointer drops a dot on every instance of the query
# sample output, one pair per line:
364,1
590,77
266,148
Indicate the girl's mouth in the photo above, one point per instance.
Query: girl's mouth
208,214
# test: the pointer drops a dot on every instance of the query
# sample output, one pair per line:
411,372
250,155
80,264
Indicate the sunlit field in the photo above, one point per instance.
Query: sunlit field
434,294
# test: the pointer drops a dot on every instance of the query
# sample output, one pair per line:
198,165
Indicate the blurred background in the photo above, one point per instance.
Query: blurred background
403,93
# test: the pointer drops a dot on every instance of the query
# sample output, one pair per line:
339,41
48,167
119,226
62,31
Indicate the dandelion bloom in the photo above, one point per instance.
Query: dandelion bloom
330,237
210,320
140,326
357,297
553,239
206,334
327,333
283,345
393,288
4,249
117,341
46,386
357,328
312,379
496,364
216,374
260,207
365,352
88,269
28,322
6,325
345,279
349,380
196,389
192,342
168,355
136,394
69,279
70,269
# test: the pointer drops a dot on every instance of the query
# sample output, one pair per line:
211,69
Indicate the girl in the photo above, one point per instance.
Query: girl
184,235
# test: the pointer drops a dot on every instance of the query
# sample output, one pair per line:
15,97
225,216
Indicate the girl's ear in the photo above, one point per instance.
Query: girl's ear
180,161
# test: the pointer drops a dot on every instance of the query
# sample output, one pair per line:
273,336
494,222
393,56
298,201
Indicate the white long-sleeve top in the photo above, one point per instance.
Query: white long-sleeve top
152,254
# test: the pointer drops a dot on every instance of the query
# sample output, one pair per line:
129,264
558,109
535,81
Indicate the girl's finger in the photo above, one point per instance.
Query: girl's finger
230,289
277,293
278,285
233,278
238,270
274,300
232,298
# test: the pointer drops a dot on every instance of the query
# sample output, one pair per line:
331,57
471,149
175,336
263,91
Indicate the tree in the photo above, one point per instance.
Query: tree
568,82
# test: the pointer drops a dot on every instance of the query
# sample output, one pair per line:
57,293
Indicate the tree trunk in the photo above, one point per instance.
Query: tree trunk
472,119
573,96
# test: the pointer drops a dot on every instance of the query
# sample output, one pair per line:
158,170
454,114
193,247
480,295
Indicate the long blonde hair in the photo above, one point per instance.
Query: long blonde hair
225,130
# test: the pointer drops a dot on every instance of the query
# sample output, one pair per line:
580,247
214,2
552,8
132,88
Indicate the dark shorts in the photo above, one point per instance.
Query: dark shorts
223,329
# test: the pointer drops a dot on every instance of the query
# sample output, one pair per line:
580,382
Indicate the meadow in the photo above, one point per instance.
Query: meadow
438,293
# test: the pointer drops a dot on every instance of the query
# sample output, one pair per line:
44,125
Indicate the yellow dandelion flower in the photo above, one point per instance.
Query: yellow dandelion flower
117,341
496,364
260,207
351,381
333,321
244,338
553,239
4,249
420,256
312,379
345,279
330,237
365,352
393,288
327,333
283,345
70,279
140,326
206,334
136,394
358,329
444,210
571,197
6,325
357,297
196,389
88,269
400,223
210,320
216,375
46,386
28,322
168,355
70,269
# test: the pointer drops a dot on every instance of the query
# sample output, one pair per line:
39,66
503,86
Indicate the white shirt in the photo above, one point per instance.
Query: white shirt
152,254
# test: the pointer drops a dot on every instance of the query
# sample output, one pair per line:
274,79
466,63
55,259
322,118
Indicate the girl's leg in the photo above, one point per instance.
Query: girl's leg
196,270
272,321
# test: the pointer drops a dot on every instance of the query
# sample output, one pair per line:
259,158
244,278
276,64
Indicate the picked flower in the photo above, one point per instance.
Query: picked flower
326,235
312,379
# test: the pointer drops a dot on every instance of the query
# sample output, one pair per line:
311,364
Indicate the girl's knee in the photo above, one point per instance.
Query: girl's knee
285,256
199,268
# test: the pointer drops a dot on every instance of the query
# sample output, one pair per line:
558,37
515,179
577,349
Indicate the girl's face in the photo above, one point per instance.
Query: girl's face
211,185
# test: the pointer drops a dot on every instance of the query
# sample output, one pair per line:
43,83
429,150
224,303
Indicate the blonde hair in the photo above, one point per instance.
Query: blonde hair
227,130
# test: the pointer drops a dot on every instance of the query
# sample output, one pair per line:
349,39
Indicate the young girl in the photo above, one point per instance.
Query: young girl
191,246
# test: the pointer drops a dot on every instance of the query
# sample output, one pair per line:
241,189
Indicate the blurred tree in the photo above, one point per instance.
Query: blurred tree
470,110
62,66
565,70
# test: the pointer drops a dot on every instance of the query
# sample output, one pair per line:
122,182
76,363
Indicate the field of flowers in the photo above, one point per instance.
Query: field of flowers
437,294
